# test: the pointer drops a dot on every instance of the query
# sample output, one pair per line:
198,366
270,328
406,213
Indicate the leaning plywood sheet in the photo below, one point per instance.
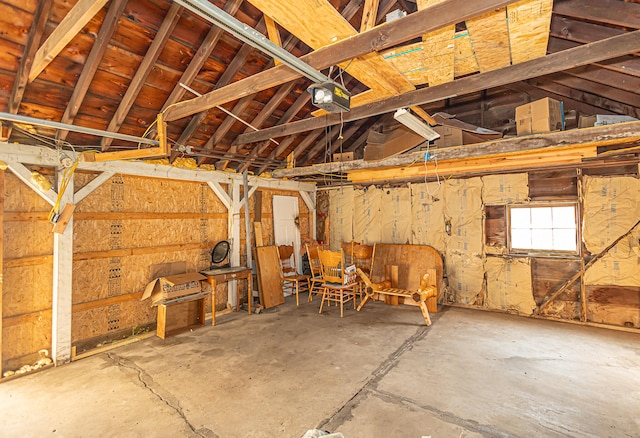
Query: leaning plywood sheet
620,266
466,279
396,223
611,206
367,215
490,39
427,213
341,216
463,210
268,268
505,189
509,285
529,22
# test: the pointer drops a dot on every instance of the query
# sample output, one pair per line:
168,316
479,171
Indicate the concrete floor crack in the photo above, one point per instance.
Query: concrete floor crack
344,412
147,382
473,426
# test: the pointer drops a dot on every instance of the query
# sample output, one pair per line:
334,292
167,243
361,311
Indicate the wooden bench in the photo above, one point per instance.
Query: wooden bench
420,295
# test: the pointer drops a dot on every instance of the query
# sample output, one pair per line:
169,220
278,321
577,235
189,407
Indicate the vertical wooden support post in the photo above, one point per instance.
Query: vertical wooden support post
309,199
247,232
62,282
234,232
583,289
1,256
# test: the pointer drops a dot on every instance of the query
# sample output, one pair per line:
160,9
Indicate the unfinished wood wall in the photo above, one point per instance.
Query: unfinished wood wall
120,230
465,219
27,274
123,228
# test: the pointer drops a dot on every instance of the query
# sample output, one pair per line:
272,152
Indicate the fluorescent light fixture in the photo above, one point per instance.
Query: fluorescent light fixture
330,97
415,124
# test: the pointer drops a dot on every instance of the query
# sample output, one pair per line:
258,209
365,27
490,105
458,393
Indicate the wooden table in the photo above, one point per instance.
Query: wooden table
221,275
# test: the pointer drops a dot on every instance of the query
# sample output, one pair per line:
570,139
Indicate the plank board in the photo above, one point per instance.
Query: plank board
268,267
490,39
328,27
529,23
439,50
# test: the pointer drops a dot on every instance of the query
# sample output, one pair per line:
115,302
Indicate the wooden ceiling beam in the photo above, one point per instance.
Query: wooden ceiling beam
73,22
567,59
336,142
98,50
599,135
536,93
607,77
36,31
369,15
612,12
291,112
378,38
226,125
200,57
557,86
629,65
262,116
608,92
158,43
232,69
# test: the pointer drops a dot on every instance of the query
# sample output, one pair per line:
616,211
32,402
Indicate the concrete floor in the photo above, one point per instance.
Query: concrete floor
375,373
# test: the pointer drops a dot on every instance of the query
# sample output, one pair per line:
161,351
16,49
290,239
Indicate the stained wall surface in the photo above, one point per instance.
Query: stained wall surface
466,221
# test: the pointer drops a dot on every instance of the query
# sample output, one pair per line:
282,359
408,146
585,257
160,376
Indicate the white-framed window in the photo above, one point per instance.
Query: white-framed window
544,228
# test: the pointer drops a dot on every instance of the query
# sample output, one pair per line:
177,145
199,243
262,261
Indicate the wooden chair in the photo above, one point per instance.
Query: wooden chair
338,286
316,269
363,259
289,275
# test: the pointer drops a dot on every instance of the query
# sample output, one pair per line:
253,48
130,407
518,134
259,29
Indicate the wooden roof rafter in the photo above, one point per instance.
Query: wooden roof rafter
36,32
98,50
373,40
587,54
73,22
136,84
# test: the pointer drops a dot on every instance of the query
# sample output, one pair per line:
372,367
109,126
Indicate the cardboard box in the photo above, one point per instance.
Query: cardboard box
173,286
345,156
449,136
540,116
454,132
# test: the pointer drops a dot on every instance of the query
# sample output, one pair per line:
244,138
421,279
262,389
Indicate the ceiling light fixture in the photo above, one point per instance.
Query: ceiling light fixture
415,124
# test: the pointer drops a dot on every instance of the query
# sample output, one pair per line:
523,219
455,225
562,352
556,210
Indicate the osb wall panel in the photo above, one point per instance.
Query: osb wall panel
149,195
20,197
97,279
25,289
97,322
136,244
21,343
27,239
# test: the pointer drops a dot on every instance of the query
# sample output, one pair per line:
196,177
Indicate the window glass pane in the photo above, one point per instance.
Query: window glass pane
521,238
520,218
564,240
564,217
541,239
541,217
